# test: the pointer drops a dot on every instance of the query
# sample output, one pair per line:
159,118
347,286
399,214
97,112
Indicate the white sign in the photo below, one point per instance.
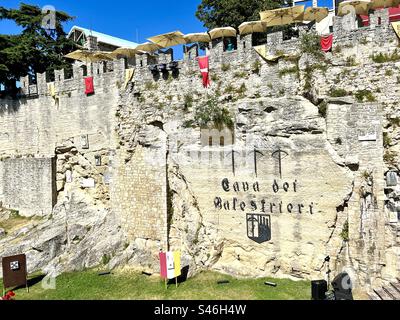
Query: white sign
68,176
87,183
368,137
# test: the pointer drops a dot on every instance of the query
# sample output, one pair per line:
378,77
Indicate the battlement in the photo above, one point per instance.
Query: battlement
152,67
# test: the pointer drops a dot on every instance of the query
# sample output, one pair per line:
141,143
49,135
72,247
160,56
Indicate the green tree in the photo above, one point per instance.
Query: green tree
34,50
217,13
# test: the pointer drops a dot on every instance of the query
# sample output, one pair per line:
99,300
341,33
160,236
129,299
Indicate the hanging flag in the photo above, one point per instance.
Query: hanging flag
129,73
52,89
204,65
262,51
326,43
396,27
170,264
163,265
177,263
89,87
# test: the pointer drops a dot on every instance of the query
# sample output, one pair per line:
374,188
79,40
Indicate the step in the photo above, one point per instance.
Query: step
396,285
392,292
382,294
374,296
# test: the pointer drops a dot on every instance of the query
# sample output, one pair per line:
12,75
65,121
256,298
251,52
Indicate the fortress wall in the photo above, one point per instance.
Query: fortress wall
28,185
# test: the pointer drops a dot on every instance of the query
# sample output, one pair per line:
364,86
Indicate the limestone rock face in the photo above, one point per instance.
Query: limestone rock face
297,196
77,236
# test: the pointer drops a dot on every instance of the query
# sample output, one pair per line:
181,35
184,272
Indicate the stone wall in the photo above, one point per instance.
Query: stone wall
28,185
319,159
139,194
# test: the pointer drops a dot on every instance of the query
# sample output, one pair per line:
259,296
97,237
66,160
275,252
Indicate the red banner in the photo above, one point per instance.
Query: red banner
163,265
326,43
89,85
203,64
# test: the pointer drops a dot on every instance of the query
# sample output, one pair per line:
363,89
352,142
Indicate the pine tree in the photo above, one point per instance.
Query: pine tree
34,50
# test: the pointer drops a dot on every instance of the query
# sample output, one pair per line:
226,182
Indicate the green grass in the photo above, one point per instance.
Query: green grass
88,285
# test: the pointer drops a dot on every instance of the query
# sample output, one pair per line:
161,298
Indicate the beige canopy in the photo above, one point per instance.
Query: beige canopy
314,14
169,39
127,52
251,27
376,4
359,7
148,47
281,16
89,56
222,32
197,37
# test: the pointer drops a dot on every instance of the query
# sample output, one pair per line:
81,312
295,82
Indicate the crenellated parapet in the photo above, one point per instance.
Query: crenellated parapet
152,67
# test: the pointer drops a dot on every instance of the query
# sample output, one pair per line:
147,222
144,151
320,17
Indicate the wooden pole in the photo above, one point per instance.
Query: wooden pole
176,281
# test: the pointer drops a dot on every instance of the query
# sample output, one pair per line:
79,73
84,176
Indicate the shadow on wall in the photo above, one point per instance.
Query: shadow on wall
10,106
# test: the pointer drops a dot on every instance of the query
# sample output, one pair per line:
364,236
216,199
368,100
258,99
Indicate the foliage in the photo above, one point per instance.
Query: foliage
345,231
322,108
310,44
367,175
149,85
33,50
217,13
105,259
388,73
210,113
229,88
256,67
240,74
385,57
225,67
126,285
188,101
390,157
351,61
364,95
290,70
338,92
387,141
395,122
242,89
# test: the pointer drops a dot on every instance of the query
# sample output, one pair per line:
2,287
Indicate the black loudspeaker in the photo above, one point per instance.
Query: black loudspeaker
342,287
318,289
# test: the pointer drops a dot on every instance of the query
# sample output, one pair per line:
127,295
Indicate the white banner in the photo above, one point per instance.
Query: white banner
170,265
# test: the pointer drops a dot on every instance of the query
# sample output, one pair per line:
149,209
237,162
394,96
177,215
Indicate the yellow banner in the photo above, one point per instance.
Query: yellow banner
52,89
262,51
128,76
396,27
177,263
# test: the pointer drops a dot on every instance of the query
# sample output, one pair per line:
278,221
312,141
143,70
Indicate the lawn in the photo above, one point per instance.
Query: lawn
126,285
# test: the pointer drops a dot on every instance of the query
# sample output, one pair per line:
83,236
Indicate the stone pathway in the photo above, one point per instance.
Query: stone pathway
390,291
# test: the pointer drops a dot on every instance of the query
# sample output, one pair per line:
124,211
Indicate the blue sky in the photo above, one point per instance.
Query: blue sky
123,19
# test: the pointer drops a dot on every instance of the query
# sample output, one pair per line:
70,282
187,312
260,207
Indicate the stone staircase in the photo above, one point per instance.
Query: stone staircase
390,291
